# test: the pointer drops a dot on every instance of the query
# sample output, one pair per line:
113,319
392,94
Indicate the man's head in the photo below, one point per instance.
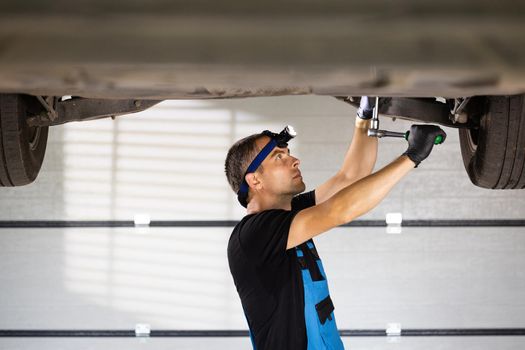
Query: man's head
261,165
240,155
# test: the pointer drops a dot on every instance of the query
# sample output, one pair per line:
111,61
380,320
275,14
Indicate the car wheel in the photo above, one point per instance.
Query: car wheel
22,148
494,153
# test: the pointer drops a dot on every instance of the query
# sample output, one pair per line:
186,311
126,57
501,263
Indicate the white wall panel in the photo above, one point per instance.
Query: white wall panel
178,278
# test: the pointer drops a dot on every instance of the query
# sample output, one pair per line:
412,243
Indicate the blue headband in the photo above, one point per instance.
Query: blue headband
279,140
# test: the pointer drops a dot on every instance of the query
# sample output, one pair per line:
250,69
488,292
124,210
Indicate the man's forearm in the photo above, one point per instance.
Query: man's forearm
363,195
362,153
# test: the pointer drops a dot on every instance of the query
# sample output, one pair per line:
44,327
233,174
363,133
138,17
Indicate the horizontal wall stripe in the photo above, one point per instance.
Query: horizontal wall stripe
232,223
470,332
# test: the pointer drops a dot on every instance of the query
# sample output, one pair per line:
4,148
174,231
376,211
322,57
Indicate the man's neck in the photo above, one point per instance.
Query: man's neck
257,205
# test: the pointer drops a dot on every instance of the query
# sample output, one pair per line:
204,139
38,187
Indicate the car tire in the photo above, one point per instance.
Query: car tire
494,153
22,147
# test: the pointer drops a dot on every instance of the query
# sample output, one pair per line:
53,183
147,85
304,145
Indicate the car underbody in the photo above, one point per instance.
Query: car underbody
459,65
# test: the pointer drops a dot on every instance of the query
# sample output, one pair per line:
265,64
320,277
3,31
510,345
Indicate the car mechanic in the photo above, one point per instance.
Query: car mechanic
272,257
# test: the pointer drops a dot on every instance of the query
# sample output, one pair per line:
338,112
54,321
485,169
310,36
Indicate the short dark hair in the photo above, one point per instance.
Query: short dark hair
239,157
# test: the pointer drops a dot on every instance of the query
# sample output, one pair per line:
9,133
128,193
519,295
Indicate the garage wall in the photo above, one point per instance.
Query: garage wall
178,278
168,162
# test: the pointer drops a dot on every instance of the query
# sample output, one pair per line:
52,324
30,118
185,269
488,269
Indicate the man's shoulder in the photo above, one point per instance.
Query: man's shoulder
262,224
261,237
265,214
303,200
257,219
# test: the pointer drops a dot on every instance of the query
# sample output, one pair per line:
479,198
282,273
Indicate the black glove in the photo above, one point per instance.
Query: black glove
366,107
421,140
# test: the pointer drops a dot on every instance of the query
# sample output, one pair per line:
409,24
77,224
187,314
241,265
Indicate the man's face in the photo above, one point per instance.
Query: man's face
281,174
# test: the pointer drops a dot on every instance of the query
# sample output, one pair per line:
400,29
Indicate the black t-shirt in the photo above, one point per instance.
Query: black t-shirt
268,277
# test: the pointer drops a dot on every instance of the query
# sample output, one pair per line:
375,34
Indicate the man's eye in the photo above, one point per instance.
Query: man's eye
279,156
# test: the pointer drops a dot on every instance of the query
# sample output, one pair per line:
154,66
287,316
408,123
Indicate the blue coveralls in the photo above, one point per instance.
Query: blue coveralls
321,329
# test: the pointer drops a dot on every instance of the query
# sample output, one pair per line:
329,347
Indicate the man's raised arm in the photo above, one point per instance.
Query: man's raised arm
360,158
364,194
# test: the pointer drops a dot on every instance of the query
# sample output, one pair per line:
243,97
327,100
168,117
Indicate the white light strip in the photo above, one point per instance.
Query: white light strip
142,330
393,223
141,219
394,218
393,329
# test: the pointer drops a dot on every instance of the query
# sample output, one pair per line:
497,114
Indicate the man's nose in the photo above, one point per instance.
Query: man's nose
296,162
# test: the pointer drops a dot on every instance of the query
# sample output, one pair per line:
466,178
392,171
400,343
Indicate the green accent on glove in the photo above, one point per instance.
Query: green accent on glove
437,141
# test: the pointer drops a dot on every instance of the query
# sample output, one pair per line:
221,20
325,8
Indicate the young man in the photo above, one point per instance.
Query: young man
275,266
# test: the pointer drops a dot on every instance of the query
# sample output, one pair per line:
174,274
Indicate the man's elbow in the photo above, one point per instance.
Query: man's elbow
341,212
346,178
358,175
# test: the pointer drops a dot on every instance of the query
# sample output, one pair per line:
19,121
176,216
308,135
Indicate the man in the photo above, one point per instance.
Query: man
275,266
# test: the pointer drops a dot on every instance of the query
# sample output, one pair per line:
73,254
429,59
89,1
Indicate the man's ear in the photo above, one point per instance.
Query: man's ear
252,180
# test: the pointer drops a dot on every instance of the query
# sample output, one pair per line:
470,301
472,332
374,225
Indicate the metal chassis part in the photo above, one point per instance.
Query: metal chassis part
426,110
457,114
49,103
80,109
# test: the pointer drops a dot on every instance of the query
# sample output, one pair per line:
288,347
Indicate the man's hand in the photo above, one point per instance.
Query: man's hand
421,141
366,107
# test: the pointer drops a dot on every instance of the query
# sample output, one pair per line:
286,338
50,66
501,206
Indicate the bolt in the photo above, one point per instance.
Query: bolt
460,118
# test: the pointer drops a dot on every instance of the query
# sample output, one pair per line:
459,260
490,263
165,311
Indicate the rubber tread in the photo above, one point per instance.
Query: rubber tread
19,164
487,160
517,178
512,161
498,161
509,139
5,180
11,109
